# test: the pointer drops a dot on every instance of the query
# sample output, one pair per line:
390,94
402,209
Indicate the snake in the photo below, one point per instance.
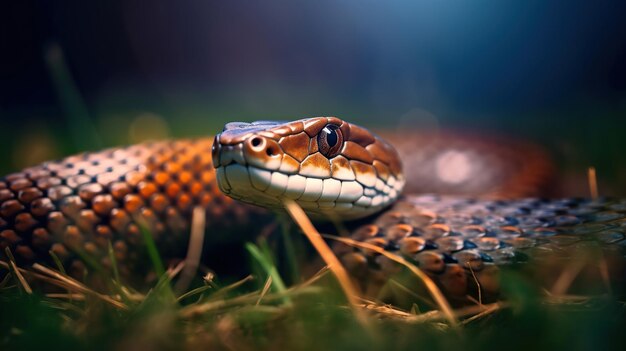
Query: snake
457,206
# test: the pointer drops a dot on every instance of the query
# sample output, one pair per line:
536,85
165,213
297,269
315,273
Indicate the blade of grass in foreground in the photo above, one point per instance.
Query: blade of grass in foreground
16,272
268,266
350,291
440,299
152,250
116,273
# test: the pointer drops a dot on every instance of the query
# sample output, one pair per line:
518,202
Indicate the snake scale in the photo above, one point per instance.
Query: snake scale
77,206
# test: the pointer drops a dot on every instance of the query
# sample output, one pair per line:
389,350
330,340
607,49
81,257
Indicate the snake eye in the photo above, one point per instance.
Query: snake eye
330,140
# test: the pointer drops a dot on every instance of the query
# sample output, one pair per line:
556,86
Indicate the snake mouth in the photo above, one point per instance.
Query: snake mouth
318,197
264,163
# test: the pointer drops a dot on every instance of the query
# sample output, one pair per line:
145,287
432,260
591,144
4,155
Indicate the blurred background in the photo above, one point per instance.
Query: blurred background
78,75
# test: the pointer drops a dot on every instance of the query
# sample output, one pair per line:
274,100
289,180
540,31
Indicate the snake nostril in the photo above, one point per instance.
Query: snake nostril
256,141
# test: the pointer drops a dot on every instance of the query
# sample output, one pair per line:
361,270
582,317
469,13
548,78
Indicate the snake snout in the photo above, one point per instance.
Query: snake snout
262,152
329,167
246,166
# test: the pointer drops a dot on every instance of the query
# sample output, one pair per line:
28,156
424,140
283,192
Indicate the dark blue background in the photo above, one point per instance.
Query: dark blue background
554,72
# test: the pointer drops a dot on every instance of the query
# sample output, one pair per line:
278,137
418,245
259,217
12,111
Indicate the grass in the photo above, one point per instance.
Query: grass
260,311
278,307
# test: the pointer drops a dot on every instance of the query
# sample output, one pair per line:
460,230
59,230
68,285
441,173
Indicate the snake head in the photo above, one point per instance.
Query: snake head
328,166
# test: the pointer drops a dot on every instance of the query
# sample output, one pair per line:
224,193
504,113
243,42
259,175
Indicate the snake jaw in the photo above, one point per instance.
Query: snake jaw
328,166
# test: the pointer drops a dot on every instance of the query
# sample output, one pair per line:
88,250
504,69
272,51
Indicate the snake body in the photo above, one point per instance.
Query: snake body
75,207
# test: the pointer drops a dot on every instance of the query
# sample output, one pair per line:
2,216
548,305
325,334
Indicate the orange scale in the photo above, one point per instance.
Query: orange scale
20,184
104,231
119,190
24,222
205,199
161,178
207,177
72,237
159,202
48,182
119,220
134,177
86,220
132,203
133,234
28,195
184,202
10,208
42,206
88,191
9,236
57,222
185,177
314,125
173,189
41,237
36,173
6,194
103,204
59,192
146,189
294,145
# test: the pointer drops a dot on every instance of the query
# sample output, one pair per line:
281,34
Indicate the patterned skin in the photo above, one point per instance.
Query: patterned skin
459,241
76,206
328,166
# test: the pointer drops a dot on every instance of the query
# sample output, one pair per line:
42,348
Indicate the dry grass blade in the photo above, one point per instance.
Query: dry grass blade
75,297
475,312
233,286
214,306
566,299
198,309
489,310
172,272
565,280
593,183
266,288
298,215
38,276
411,293
16,272
194,249
77,286
322,272
477,282
193,292
430,285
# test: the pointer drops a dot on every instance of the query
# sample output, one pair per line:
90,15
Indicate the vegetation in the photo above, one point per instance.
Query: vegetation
261,311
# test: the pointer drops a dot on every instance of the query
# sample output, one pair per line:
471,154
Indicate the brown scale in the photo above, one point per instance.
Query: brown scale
83,202
461,242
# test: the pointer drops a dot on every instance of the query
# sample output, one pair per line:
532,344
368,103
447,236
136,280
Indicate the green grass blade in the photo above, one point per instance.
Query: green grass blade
57,262
116,273
268,266
152,250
